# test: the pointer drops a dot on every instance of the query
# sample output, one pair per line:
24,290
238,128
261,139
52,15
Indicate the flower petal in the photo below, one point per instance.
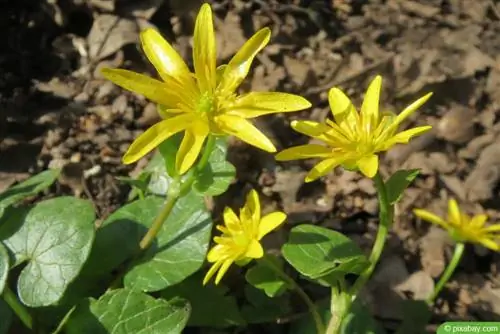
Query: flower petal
252,204
341,107
369,108
431,218
223,269
304,152
244,130
191,145
238,67
217,253
256,104
231,220
323,168
310,128
454,214
492,228
163,56
213,269
155,135
270,222
478,221
204,49
254,250
489,243
151,88
410,109
368,165
405,136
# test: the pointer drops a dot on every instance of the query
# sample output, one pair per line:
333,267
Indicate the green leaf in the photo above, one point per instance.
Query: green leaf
218,174
4,266
262,309
323,254
55,239
179,249
416,317
264,278
360,321
5,317
126,311
306,324
211,305
27,188
398,182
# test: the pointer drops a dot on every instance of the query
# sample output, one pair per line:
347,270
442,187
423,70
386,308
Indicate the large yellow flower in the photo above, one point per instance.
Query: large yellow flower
465,228
240,240
353,139
203,102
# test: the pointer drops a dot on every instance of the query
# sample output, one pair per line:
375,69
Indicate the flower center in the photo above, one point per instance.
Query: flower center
205,104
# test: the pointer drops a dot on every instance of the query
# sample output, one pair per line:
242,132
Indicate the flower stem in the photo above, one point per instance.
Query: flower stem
18,308
385,218
173,196
320,327
457,256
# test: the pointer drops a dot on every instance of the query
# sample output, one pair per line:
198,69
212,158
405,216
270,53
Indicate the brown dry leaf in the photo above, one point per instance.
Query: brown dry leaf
432,247
230,36
481,182
109,33
457,125
420,284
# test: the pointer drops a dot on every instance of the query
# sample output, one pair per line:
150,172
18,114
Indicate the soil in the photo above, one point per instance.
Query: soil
57,111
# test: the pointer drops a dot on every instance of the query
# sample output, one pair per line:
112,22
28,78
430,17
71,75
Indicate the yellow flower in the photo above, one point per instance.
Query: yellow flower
353,139
240,240
465,228
203,102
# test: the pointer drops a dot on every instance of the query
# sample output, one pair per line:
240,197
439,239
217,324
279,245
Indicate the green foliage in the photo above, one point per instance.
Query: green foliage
27,188
211,304
4,266
416,317
322,254
179,249
262,309
398,182
127,311
54,237
264,278
218,174
360,321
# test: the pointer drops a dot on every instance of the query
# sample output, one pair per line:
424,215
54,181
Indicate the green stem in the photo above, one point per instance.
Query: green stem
339,304
174,195
320,327
177,190
385,217
64,321
18,308
457,256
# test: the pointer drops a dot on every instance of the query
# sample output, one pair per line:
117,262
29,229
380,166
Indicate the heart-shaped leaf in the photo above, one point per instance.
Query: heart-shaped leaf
211,305
264,278
126,311
398,182
4,266
179,249
323,254
262,309
27,188
218,174
55,239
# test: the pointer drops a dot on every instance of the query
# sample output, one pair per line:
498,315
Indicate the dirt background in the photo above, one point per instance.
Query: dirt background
57,111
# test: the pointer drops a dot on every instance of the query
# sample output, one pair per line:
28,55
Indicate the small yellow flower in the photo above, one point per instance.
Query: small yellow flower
465,228
203,102
240,240
353,139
